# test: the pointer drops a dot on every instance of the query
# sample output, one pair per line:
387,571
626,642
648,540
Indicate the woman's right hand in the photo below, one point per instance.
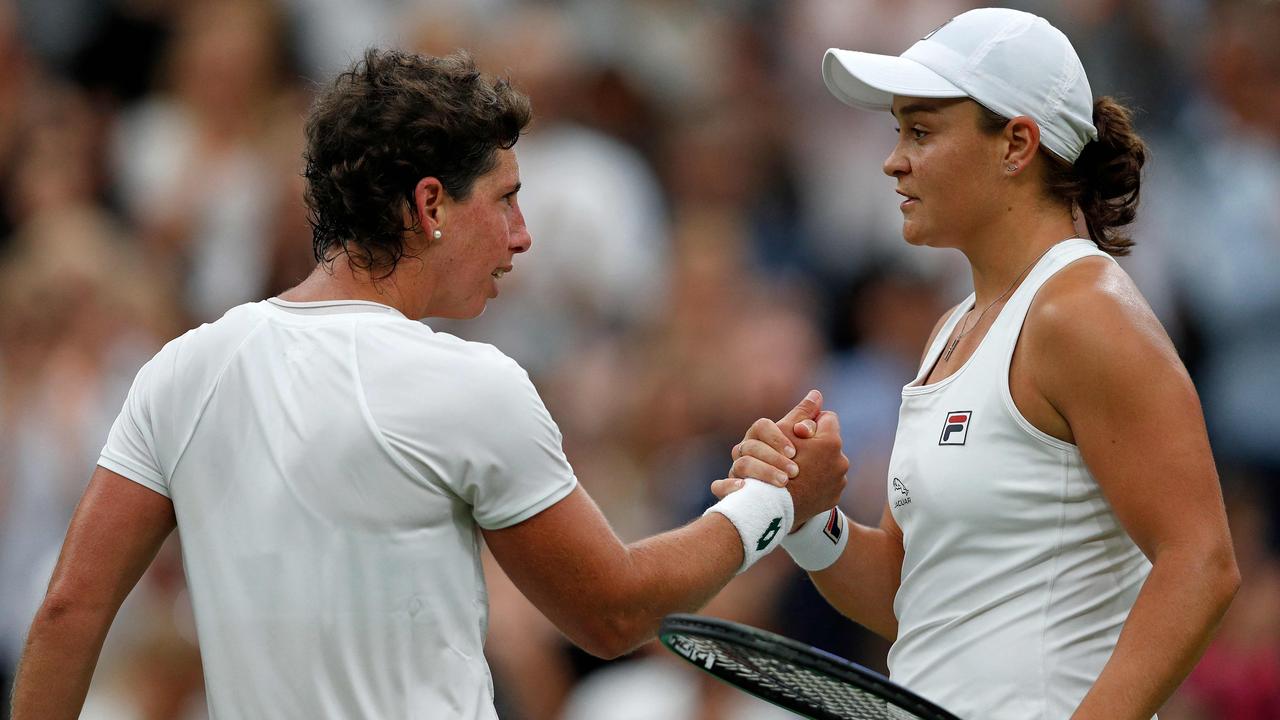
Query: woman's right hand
816,475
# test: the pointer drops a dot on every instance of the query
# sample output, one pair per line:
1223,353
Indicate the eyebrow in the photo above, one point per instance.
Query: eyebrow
916,108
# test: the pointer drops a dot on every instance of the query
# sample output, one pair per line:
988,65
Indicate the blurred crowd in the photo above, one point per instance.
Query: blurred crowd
712,236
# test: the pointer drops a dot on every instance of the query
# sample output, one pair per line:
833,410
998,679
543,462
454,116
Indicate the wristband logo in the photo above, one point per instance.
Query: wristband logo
770,533
835,526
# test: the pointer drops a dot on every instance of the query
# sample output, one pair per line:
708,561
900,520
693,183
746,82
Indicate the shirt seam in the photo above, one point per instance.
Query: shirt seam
1064,469
208,397
365,412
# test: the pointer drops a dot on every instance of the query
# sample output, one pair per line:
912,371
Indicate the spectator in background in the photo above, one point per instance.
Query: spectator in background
850,214
594,199
18,83
80,315
1215,181
190,160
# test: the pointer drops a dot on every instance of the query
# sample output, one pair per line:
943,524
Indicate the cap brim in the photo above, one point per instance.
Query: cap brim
870,81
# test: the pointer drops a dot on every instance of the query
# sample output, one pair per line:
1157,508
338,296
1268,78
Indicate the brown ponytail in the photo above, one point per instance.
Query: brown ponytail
1105,179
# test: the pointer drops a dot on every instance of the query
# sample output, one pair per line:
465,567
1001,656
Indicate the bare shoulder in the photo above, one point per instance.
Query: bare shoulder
1090,321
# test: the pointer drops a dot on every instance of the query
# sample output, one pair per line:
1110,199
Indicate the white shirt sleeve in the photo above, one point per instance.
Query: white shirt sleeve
131,446
513,466
469,421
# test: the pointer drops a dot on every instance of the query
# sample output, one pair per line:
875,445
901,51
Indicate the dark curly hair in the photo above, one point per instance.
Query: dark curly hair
378,128
1105,180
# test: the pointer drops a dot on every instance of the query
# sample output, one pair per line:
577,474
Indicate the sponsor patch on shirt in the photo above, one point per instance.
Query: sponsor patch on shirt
956,427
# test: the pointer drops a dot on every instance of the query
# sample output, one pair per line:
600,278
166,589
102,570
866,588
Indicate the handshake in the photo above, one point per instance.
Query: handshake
784,484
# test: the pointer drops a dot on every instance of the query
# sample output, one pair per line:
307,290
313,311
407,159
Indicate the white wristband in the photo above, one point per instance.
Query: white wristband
820,541
763,515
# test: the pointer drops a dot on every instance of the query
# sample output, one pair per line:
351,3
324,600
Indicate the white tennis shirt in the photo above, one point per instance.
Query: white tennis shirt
329,464
1017,576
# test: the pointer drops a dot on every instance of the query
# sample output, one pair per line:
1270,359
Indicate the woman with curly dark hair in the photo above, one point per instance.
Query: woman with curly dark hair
1054,542
331,462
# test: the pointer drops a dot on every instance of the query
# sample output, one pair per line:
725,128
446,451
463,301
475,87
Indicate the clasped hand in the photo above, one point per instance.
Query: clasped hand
802,452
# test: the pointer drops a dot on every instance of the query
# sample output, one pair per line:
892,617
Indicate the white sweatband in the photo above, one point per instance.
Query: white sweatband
820,541
763,515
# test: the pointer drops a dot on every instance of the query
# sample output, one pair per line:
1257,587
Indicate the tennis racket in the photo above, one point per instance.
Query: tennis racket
790,674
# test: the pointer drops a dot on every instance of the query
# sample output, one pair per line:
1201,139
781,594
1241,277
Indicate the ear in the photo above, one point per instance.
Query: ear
429,202
1022,141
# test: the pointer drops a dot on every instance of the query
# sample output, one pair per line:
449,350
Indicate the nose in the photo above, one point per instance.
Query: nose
896,164
520,240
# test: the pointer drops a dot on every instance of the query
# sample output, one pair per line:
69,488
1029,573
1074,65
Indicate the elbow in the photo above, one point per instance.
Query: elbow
610,635
65,610
57,608
1218,572
1223,570
1229,574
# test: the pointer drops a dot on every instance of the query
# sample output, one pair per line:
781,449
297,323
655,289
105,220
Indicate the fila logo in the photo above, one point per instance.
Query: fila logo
835,526
956,427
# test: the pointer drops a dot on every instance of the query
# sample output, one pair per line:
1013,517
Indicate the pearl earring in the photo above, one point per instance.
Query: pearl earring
437,234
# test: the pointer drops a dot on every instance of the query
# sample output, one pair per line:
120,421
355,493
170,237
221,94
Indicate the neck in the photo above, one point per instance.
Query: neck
338,280
1001,258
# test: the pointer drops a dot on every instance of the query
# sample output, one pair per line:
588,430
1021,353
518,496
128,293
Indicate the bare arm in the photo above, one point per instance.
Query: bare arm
1134,414
116,531
608,597
863,583
605,596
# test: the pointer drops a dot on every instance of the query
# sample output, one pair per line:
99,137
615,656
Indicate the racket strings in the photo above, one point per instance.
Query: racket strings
834,698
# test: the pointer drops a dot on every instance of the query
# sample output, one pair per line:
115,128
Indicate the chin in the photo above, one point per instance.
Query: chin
912,235
918,237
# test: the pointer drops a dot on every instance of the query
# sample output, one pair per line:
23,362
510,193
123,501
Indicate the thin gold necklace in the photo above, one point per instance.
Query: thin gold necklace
951,346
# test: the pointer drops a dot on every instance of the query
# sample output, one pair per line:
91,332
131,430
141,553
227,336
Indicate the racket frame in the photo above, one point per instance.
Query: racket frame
795,653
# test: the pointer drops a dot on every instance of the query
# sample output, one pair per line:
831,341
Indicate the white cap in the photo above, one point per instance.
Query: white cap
1011,62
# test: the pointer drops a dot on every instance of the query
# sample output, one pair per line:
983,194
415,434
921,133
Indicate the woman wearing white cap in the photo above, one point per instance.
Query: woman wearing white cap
1054,543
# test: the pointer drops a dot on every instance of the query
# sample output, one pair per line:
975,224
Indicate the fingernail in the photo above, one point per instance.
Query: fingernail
780,480
793,469
790,451
737,483
812,396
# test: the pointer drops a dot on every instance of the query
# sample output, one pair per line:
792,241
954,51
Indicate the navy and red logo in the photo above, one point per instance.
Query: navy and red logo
956,427
835,525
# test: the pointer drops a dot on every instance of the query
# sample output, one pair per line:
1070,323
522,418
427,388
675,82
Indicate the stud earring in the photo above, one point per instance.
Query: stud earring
437,234
1012,168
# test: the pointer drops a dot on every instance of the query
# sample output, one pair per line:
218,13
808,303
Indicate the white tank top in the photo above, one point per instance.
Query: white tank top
1017,576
